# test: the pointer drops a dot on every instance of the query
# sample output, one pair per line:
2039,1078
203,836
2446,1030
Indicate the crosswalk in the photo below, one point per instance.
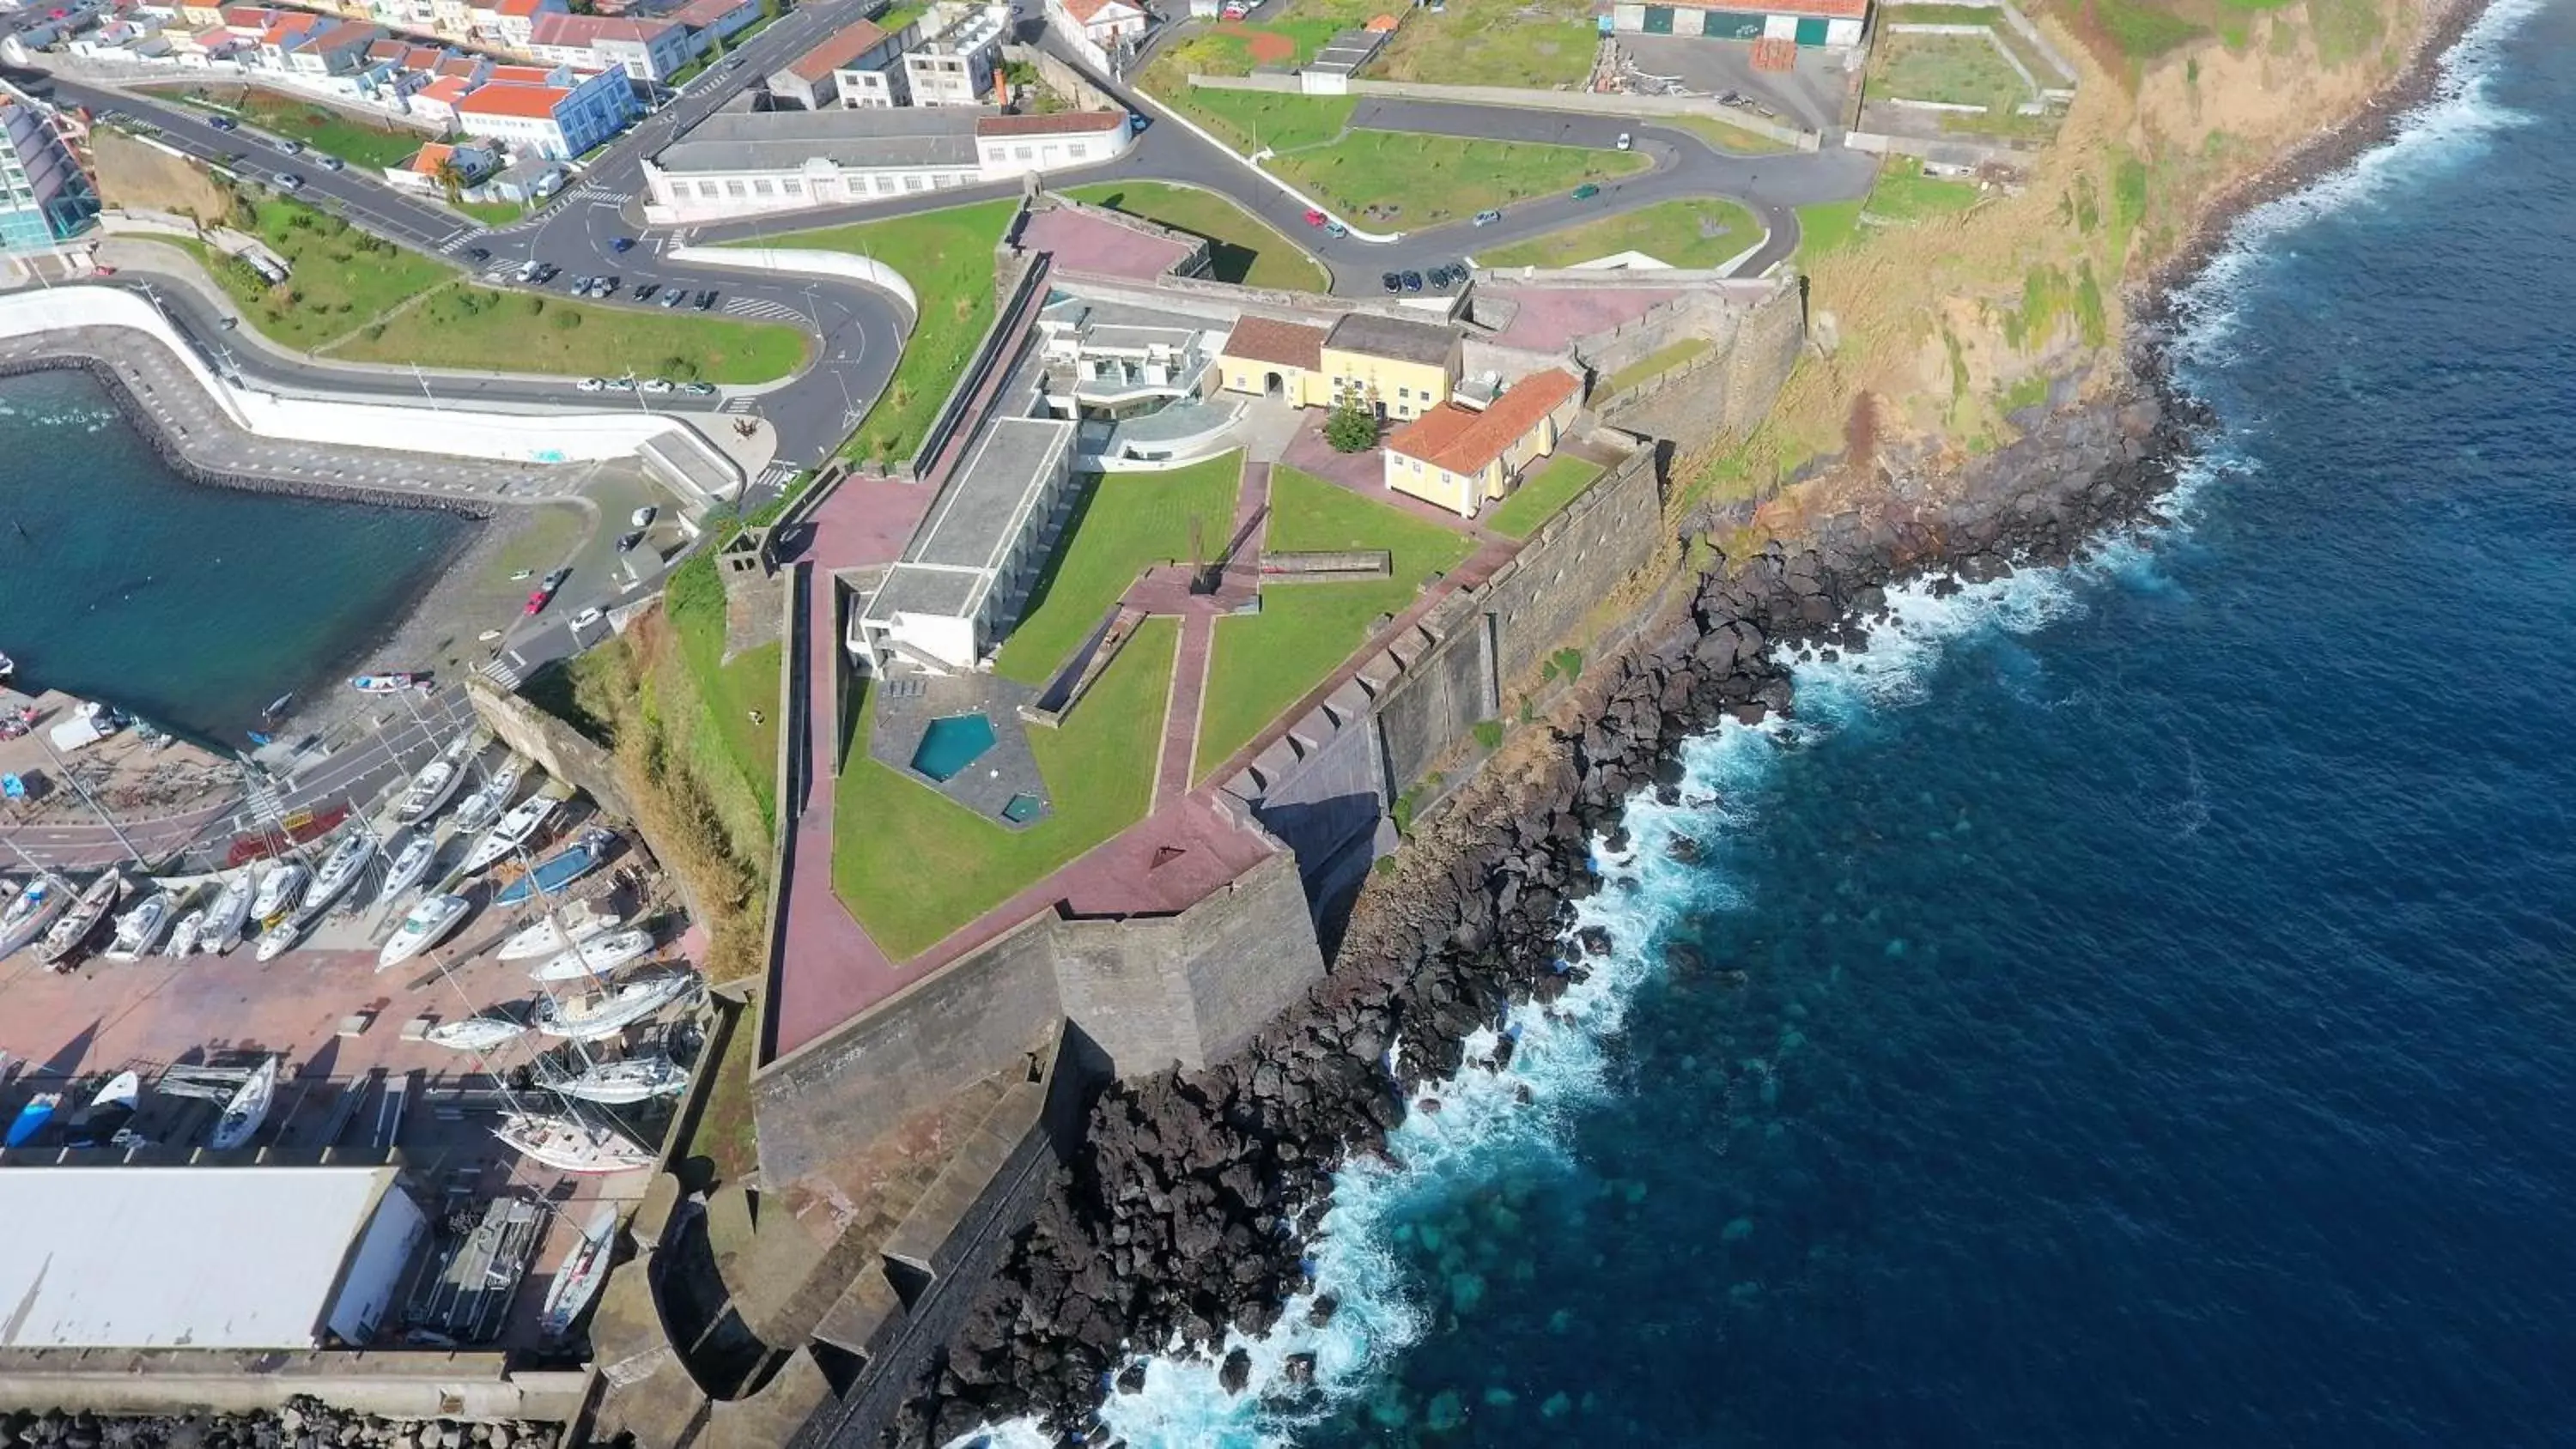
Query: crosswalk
773,478
506,671
761,308
457,240
600,196
739,406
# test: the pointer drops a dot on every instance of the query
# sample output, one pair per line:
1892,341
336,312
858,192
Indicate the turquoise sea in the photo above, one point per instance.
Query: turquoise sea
190,605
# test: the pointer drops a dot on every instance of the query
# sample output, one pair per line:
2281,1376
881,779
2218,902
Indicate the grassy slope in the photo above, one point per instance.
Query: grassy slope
477,327
342,278
694,601
1124,522
914,865
1676,233
1242,247
947,257
1265,662
1431,179
1543,495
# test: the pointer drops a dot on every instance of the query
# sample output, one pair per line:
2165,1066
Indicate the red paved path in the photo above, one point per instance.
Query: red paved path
1181,715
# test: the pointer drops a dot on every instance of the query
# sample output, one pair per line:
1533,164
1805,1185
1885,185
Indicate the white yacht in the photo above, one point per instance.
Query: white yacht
568,1144
426,926
612,1009
510,832
138,931
597,957
339,869
407,858
231,910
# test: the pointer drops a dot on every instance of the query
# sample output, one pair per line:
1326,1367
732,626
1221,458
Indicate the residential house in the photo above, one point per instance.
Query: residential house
207,46
453,19
337,50
1461,457
811,80
562,115
436,102
646,50
954,65
1097,29
474,165
283,34
1267,357
1013,145
712,20
198,15
1831,24
1396,367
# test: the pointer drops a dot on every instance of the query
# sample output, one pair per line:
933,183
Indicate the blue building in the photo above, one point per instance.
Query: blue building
45,197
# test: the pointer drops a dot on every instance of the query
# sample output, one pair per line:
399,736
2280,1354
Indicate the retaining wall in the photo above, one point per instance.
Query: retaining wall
396,1385
1646,108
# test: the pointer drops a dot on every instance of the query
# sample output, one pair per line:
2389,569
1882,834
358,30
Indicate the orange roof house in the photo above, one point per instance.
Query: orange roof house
1461,457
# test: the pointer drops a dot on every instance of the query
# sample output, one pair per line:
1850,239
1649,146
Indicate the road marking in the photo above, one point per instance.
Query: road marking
762,308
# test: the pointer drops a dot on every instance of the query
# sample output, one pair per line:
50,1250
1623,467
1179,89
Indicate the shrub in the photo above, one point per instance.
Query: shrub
536,305
566,321
1351,429
1488,733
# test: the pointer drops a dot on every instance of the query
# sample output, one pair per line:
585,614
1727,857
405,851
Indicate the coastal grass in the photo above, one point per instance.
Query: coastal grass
1250,121
1122,523
913,865
1242,248
1904,193
332,132
1526,44
693,599
724,1143
1265,662
1963,70
1656,364
946,257
1827,226
480,328
1544,495
1701,233
1423,180
340,278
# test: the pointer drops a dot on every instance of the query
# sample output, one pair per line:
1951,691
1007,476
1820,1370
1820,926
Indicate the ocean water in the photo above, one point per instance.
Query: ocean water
2158,1010
190,605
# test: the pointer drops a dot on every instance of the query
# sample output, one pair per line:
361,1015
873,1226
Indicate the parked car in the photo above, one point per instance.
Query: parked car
622,245
536,604
1393,281
289,146
1488,217
706,300
1315,218
289,181
1413,281
626,541
1626,144
699,389
334,163
642,517
224,123
528,270
659,385
644,290
608,286
593,384
556,580
621,384
1335,228
674,296
1586,191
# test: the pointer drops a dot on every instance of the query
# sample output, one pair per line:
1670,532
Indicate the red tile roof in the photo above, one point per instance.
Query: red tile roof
556,28
704,13
1084,10
344,35
522,75
519,7
1063,123
535,103
838,50
1267,339
446,91
1462,440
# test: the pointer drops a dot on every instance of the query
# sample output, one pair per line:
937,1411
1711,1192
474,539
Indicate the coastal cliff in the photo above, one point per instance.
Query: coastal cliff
1911,446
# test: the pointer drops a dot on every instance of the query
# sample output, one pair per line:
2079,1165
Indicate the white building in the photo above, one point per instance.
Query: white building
1833,24
951,59
202,1257
970,564
1097,29
744,164
557,114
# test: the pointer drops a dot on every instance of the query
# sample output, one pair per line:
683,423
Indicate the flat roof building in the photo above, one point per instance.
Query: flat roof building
736,164
971,562
130,1256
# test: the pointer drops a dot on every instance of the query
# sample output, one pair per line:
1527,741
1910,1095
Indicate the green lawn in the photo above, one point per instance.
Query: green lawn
1677,233
1827,226
1544,495
342,278
476,327
914,865
1266,662
1904,193
947,257
1656,364
1123,522
1546,45
1251,120
336,133
694,600
1416,180
1242,248
1959,69
1734,139
493,213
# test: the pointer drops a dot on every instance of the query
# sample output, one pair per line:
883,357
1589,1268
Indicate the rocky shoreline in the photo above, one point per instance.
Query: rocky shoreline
1193,1206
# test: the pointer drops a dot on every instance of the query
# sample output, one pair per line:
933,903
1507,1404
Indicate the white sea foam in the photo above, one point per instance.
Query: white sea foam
1485,1127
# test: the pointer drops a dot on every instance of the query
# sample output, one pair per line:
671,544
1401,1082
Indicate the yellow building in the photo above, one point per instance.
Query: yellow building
201,17
1401,369
1460,456
1270,358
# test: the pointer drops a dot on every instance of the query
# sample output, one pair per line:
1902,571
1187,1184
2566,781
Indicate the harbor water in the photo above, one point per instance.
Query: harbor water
192,606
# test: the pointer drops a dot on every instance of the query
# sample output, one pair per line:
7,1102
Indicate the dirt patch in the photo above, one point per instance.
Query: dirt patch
1265,47
132,174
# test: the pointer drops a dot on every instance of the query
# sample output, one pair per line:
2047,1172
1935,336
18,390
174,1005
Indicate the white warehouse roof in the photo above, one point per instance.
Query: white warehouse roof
178,1257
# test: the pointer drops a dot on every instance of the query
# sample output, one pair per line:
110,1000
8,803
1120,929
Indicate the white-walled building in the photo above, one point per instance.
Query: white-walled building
956,48
647,50
1834,24
738,164
557,114
1097,29
860,50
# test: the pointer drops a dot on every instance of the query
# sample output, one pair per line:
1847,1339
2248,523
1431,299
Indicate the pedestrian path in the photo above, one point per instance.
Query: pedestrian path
761,309
1181,715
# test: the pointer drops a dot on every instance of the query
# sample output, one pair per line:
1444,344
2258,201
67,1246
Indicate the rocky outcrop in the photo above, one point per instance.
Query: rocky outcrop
1190,1208
302,1424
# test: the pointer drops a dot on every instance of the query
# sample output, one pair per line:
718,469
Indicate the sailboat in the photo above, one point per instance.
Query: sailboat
278,890
510,832
278,939
76,923
139,930
483,804
596,1014
32,910
31,1119
560,869
427,925
97,1124
474,1033
225,918
568,1144
430,789
619,1084
339,870
408,856
185,935
247,1109
584,1269
596,957
574,924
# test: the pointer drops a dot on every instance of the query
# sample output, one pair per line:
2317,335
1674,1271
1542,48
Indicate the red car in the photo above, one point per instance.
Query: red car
538,600
1315,218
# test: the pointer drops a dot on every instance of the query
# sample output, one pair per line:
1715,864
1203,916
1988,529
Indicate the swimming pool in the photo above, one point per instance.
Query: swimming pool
1023,809
951,744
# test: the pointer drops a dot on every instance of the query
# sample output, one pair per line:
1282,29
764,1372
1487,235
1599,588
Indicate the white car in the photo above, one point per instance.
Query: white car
641,517
587,617
658,384
593,384
1625,143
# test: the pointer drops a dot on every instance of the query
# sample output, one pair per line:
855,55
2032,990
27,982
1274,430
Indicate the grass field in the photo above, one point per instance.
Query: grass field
476,327
1251,120
1265,662
1416,180
1241,247
914,865
1123,522
1959,69
358,142
1547,45
947,257
341,278
1827,226
1544,495
1904,193
1733,139
694,600
1676,233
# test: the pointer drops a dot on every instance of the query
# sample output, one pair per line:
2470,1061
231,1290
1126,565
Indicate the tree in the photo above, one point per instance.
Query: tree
1351,429
450,178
